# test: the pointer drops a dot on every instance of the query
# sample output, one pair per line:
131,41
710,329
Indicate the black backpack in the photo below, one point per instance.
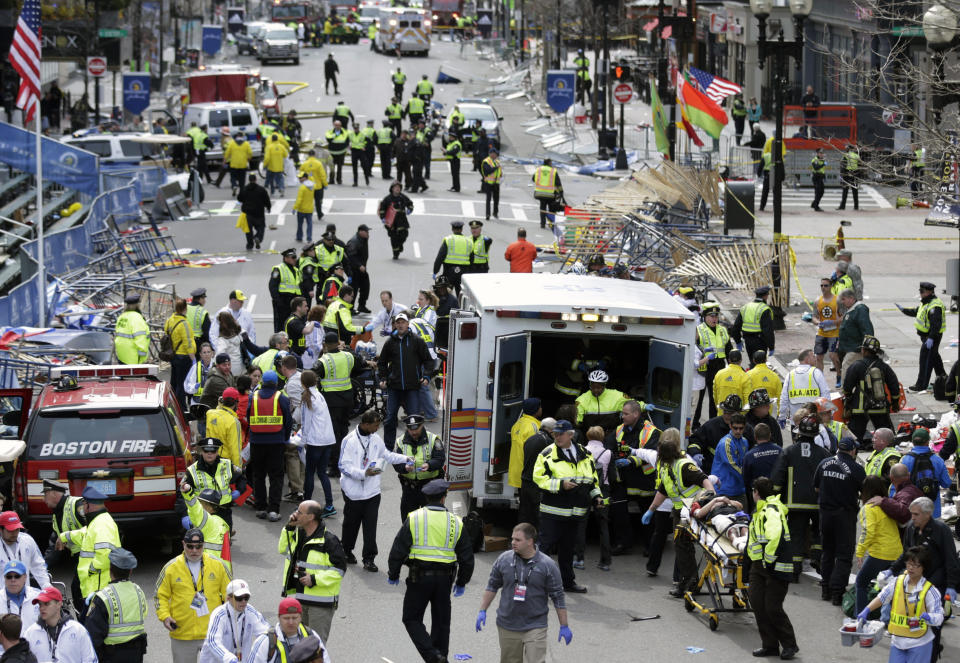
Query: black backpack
473,527
923,475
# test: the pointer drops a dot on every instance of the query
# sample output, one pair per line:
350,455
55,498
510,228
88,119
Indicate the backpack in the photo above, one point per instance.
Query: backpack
167,351
875,396
940,388
923,476
473,527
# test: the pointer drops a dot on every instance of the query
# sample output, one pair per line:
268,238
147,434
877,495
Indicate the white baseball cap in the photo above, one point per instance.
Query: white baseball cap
238,588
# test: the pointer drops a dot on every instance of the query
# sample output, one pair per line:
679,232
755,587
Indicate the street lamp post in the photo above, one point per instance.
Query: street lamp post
780,51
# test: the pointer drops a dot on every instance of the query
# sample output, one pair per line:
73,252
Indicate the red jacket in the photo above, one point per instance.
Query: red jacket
521,255
898,506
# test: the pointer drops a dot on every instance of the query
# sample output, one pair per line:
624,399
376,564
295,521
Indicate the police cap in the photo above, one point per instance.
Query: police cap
210,496
210,444
476,224
132,298
331,337
762,290
926,285
91,494
198,292
456,224
436,487
413,420
848,443
306,650
289,253
53,485
123,559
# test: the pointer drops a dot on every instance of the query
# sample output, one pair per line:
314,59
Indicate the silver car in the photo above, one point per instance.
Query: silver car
279,43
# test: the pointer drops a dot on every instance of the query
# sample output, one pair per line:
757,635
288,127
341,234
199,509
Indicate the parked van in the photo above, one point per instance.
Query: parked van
516,334
237,116
118,148
403,30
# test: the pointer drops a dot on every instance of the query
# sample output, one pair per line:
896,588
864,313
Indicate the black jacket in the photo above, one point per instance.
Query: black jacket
19,653
404,361
358,252
802,457
854,376
437,455
254,200
776,435
944,568
705,439
403,206
533,446
330,68
404,541
331,546
766,329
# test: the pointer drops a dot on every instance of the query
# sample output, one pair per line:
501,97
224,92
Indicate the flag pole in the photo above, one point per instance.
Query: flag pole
42,272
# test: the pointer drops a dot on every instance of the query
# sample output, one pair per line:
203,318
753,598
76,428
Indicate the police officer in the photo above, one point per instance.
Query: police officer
885,453
211,471
492,173
838,480
754,324
454,255
398,78
818,171
414,110
284,285
394,114
769,547
871,390
343,114
767,162
429,457
66,516
385,138
330,253
309,273
337,142
334,370
848,176
201,142
131,335
930,322
714,342
198,317
546,185
916,171
425,88
115,618
480,256
332,284
432,543
452,149
95,539
739,113
358,150
793,478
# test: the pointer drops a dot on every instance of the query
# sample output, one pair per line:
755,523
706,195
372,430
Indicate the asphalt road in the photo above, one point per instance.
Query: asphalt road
368,626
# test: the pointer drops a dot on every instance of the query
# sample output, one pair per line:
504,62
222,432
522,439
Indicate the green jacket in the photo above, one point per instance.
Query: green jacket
853,327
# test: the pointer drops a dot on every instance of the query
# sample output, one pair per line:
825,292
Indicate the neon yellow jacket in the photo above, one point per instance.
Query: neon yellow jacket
526,426
223,424
175,591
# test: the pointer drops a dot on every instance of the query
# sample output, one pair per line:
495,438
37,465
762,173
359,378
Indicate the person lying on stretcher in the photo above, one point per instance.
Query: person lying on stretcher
726,516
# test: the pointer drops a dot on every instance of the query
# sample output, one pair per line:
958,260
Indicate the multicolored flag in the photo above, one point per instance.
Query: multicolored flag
659,120
700,109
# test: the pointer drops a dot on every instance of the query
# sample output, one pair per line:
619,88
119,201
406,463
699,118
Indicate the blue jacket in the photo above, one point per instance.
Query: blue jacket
280,437
939,471
728,465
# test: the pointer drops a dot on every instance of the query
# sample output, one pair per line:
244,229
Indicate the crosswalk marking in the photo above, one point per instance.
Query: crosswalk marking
370,207
801,198
281,219
467,208
279,205
417,205
327,205
518,213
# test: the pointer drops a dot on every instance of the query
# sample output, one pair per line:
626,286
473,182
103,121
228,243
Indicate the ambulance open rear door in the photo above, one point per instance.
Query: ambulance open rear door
507,390
460,398
666,373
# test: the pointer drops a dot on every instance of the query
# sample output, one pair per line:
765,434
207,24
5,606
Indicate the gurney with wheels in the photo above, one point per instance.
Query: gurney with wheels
722,585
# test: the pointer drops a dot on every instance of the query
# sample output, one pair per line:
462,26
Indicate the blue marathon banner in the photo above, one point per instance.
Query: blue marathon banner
212,39
68,166
136,92
561,89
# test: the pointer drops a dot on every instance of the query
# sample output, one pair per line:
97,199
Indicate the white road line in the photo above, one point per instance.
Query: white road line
327,205
279,205
252,300
518,213
273,245
370,206
228,206
418,206
461,199
416,249
466,206
882,202
281,219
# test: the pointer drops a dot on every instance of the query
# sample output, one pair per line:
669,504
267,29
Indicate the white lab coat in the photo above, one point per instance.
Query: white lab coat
243,318
25,549
73,645
229,632
384,318
316,426
261,646
28,611
356,454
787,406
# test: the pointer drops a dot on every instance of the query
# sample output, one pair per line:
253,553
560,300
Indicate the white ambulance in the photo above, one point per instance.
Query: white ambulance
516,334
403,30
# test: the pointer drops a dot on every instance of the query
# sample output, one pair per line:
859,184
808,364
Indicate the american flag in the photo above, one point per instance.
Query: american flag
25,57
713,86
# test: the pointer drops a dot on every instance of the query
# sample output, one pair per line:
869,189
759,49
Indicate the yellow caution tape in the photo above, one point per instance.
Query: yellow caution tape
793,268
875,239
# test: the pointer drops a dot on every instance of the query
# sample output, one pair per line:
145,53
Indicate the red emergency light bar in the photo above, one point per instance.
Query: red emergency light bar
113,371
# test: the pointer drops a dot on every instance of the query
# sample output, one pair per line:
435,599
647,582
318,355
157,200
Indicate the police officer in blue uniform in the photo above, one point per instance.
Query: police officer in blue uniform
838,480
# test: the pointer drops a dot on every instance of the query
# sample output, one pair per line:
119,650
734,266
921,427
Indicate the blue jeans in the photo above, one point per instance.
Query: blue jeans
919,654
410,398
865,577
274,181
316,466
304,217
427,407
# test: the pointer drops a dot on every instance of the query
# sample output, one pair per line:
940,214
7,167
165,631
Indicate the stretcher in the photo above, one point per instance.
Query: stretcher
723,573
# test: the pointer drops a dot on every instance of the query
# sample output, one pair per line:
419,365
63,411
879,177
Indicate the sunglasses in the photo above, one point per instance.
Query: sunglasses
193,546
13,576
241,599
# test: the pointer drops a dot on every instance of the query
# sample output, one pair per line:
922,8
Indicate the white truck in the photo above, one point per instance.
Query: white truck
403,30
515,333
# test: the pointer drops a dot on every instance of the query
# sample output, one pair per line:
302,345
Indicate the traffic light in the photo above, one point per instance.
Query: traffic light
621,72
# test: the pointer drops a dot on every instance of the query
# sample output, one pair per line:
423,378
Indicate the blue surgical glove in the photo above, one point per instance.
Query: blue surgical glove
740,347
234,494
458,590
565,634
647,517
391,581
925,616
368,327
711,355
864,615
698,459
623,462
783,423
649,407
950,594
185,521
928,343
769,353
481,620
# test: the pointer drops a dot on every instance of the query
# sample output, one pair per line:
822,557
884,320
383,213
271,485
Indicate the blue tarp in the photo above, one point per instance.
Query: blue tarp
64,164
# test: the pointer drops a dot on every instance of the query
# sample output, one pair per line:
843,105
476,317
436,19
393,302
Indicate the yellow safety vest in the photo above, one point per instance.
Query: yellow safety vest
384,136
196,314
415,106
199,368
670,478
545,182
459,248
394,111
750,316
336,142
818,166
305,261
424,87
399,78
712,340
420,454
327,258
877,459
435,535
851,160
131,338
265,362
337,367
357,140
918,158
326,576
282,648
289,279
841,284
901,610
219,481
494,177
71,519
480,256
796,392
922,322
330,320
126,610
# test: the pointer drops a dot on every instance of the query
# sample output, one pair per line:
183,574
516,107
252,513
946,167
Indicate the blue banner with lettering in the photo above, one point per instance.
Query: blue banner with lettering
136,92
66,165
561,89
212,39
